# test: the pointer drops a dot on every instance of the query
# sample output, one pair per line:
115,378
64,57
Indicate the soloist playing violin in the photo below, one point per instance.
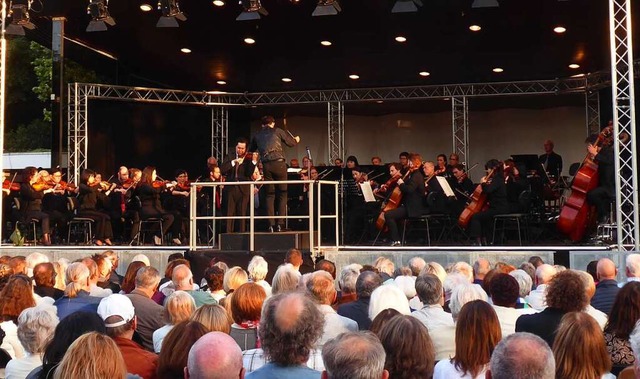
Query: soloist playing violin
411,186
237,166
493,186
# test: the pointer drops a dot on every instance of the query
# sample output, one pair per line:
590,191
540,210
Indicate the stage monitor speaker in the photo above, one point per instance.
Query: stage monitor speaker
265,241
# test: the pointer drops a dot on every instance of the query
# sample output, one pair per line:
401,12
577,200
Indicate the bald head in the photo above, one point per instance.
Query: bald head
606,269
227,354
182,278
544,273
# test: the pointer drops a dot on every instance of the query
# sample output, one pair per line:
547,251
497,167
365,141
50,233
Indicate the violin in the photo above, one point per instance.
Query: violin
64,186
128,183
42,185
11,185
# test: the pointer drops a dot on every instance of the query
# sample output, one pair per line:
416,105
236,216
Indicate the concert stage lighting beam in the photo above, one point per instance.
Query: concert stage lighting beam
252,10
406,6
327,8
170,14
100,17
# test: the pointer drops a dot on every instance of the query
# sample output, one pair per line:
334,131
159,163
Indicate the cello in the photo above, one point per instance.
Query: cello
478,202
575,215
393,201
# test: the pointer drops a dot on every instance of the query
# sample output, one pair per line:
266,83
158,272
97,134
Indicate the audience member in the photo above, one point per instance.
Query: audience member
464,269
632,268
407,284
80,360
321,287
451,282
294,258
522,356
168,274
480,268
94,290
76,294
477,334
284,280
18,264
436,269
388,296
149,314
624,316
35,327
234,278
524,285
385,269
328,266
115,261
579,349
178,307
177,343
15,297
347,283
565,294
214,276
257,270
44,277
633,372
358,310
354,355
537,298
592,269
213,317
5,273
607,287
463,294
246,305
289,328
141,258
104,269
530,270
536,261
432,315
590,290
416,264
381,320
401,338
182,279
61,277
33,260
228,362
129,280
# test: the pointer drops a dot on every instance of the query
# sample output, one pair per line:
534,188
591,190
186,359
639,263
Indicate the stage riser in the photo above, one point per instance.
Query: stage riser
265,241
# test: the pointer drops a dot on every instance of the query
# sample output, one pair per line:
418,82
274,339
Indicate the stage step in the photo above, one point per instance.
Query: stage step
282,241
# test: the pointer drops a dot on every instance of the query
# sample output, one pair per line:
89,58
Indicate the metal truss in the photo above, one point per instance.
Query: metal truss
622,79
592,107
335,119
460,124
219,132
77,137
3,85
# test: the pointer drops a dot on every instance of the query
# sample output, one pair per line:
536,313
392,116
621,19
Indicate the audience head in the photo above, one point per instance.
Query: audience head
477,334
416,264
385,297
18,264
451,282
35,326
429,289
327,266
480,268
257,269
5,273
407,285
401,338
464,269
118,315
182,278
366,283
348,278
381,320
147,279
34,259
632,269
285,279
77,279
436,269
61,276
504,267
234,278
15,297
579,348
384,266
544,274
321,287
566,292
354,355
141,258
524,282
179,306
213,317
634,341
129,281
625,311
463,294
504,290
44,275
606,269
536,261
294,257
80,360
215,278
530,270
228,362
592,269
168,271
290,326
246,303
103,266
176,346
522,356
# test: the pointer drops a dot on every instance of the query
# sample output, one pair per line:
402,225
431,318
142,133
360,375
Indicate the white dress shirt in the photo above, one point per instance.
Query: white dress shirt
433,316
334,324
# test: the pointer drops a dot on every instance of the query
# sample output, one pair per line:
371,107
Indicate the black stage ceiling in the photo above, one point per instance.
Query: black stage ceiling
518,36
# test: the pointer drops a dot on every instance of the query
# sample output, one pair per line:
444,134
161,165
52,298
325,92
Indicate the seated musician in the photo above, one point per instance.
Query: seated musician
55,203
481,223
355,206
376,161
385,189
454,159
462,187
515,183
149,190
441,167
551,161
122,209
602,195
32,191
412,188
89,207
404,162
435,198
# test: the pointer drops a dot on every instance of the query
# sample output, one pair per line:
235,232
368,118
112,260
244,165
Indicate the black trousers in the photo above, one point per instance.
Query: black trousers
170,220
601,198
392,218
237,199
276,170
40,216
102,220
481,224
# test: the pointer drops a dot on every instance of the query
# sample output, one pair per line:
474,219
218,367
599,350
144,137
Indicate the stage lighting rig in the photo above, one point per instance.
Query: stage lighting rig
100,17
170,14
327,8
19,14
406,6
485,4
252,10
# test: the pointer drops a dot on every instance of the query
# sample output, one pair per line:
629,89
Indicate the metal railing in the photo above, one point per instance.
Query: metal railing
314,188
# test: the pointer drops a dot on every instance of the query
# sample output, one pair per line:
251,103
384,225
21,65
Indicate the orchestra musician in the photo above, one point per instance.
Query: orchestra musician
404,162
493,186
149,190
454,159
515,184
338,162
462,187
550,160
376,161
32,191
237,166
386,188
435,198
268,142
412,188
89,207
441,168
56,203
602,195
122,207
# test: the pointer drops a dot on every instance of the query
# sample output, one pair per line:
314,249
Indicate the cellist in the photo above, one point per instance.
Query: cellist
494,187
411,186
601,196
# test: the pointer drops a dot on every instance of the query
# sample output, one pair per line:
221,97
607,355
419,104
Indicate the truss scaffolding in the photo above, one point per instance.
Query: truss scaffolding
219,132
335,121
592,107
3,85
460,124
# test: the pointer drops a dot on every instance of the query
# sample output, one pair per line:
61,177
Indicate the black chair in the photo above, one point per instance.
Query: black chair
31,223
79,225
518,219
147,225
574,168
436,220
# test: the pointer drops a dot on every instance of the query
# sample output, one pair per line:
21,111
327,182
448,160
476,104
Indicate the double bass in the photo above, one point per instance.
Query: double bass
478,202
576,213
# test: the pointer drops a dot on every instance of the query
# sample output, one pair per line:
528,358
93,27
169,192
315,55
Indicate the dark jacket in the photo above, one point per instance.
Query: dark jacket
31,200
543,324
606,169
268,141
150,317
413,194
358,311
496,194
244,171
51,292
553,163
88,197
605,295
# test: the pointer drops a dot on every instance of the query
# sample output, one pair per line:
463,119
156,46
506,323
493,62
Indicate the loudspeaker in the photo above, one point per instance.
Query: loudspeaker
265,241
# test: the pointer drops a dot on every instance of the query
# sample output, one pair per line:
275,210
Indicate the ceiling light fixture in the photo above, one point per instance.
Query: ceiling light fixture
252,10
146,7
498,70
424,73
475,28
170,14
485,4
218,3
574,66
401,39
559,29
354,77
221,82
249,41
325,43
286,80
186,50
406,6
19,14
327,8
100,17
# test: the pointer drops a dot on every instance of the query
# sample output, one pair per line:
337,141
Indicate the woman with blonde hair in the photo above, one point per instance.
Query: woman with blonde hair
213,317
234,278
477,334
178,307
285,279
80,360
579,349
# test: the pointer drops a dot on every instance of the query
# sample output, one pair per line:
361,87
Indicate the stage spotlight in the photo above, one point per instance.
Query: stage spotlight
100,17
485,4
252,10
327,8
406,6
170,14
19,14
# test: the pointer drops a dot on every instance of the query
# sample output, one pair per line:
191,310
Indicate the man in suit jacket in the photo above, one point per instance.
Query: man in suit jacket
550,160
237,168
359,310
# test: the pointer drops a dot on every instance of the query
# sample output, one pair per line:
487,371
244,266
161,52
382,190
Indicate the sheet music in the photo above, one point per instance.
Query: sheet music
445,186
367,192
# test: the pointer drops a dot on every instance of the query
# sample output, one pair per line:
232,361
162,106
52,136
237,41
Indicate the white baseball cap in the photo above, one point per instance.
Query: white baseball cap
116,305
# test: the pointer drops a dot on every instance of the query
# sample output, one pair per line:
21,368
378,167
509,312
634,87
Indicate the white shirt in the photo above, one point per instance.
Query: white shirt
629,279
334,324
600,317
508,316
11,344
445,369
158,337
444,342
254,359
433,316
99,292
537,298
20,368
266,286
